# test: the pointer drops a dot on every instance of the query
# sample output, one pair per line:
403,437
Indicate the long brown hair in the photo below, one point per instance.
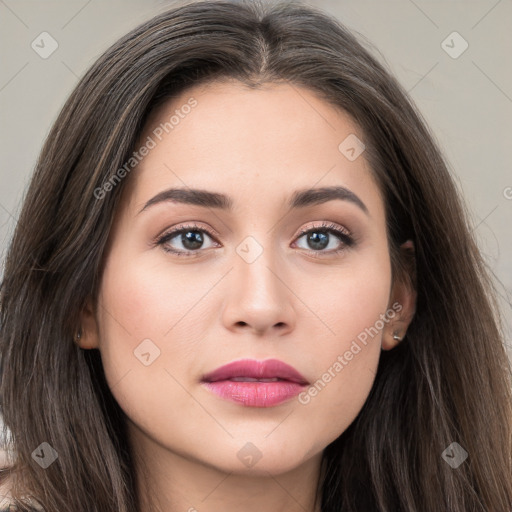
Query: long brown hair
448,381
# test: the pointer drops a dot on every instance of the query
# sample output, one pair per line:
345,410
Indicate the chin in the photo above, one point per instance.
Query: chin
260,458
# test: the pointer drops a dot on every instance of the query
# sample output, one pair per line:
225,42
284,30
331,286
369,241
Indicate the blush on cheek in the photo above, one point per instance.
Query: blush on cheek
139,300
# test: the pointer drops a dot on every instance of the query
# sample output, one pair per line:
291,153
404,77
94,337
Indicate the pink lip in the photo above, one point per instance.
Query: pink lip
225,382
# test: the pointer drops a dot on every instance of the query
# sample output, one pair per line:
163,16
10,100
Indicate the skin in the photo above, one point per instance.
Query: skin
258,147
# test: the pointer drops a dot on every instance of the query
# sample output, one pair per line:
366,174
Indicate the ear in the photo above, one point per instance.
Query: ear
89,337
403,294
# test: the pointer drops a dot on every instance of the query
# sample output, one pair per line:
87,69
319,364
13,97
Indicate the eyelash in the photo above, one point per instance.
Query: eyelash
347,239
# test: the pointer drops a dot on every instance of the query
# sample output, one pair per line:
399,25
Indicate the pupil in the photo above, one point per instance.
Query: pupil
319,240
192,240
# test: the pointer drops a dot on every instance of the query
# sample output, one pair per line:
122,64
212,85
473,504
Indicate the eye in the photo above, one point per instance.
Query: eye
190,237
320,237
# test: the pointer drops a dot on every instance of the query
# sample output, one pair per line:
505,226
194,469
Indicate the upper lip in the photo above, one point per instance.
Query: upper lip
267,369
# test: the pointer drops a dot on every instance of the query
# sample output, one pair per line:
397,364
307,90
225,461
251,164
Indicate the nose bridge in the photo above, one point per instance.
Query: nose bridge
256,265
257,295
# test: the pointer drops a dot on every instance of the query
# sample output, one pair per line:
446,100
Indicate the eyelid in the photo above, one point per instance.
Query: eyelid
185,226
326,226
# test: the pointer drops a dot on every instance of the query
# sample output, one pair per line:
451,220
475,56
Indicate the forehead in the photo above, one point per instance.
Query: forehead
224,136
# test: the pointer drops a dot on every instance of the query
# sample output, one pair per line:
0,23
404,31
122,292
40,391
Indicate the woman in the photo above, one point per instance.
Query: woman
243,278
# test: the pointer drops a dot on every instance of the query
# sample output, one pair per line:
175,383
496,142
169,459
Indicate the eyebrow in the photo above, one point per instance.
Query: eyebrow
300,198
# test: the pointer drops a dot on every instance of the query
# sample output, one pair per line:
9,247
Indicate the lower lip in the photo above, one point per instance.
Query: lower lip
255,394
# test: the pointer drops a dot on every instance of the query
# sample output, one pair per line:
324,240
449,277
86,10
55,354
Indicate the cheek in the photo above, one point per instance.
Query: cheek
350,299
130,315
142,299
347,355
153,318
146,339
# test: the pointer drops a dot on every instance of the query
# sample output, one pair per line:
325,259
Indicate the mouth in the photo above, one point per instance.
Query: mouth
251,379
255,383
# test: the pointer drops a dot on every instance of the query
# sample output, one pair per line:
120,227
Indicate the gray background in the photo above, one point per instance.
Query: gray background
467,101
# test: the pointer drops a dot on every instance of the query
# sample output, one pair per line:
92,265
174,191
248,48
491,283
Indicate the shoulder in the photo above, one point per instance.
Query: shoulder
7,503
26,508
5,492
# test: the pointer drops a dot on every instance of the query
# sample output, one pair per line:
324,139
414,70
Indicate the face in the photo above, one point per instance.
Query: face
193,282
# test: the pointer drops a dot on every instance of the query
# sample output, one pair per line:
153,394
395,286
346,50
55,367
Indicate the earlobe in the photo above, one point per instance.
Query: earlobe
392,339
404,293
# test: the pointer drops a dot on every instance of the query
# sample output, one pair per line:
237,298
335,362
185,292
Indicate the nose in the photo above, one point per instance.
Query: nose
259,298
